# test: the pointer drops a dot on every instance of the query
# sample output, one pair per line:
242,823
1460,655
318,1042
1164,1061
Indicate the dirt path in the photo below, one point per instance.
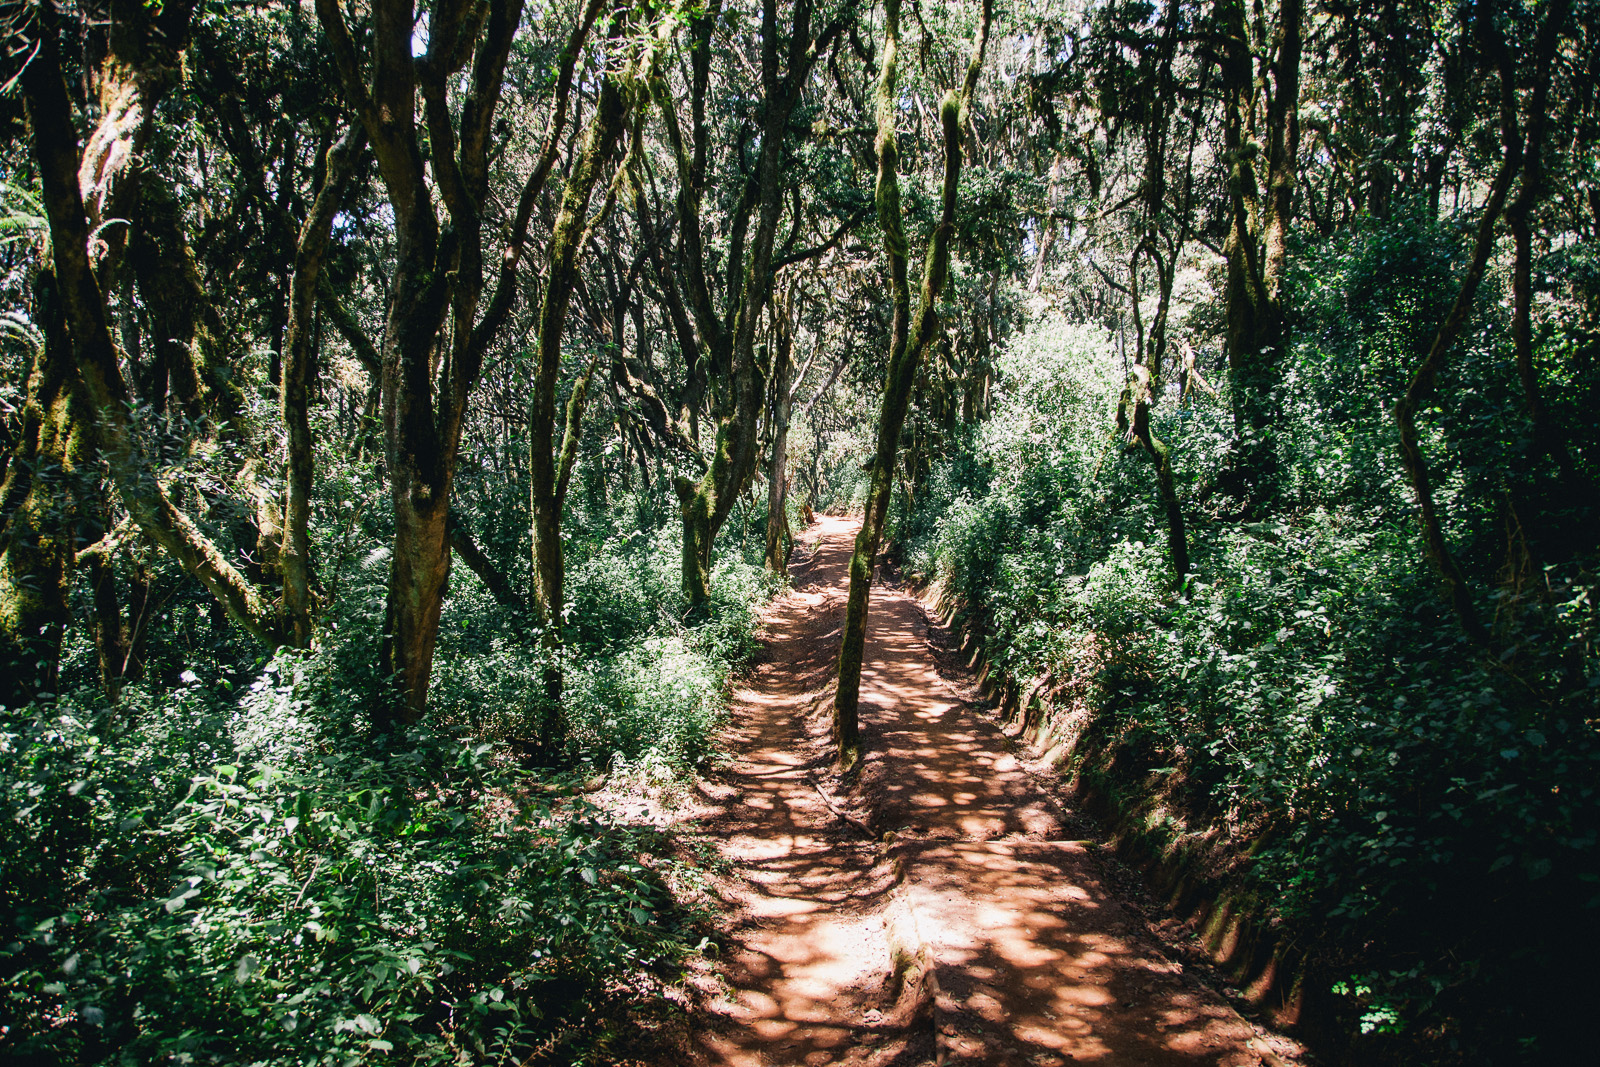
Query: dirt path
932,911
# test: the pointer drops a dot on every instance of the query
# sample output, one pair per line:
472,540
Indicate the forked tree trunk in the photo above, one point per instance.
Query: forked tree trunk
439,274
729,339
904,351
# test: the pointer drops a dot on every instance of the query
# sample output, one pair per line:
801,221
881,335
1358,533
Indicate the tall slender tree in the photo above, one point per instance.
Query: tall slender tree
550,460
909,336
1261,197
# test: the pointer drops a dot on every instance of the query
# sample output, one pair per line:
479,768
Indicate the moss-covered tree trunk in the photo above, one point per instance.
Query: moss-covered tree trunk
438,326
1256,246
908,338
1133,424
94,352
779,538
550,462
120,633
186,332
299,355
38,501
728,340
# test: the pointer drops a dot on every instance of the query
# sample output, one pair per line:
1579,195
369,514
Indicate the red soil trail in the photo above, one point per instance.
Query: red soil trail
944,851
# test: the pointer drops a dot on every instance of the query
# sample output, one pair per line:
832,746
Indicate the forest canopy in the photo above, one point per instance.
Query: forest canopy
407,407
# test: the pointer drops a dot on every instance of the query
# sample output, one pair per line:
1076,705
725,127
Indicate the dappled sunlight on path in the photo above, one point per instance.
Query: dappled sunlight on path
944,850
809,960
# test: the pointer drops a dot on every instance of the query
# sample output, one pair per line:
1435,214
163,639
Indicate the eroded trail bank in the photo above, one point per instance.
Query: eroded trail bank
933,911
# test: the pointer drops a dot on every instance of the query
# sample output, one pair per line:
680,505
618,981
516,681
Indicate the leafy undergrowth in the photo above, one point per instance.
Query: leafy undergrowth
416,902
237,870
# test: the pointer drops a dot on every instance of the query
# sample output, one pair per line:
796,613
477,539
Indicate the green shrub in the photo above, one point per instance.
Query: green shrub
640,678
229,867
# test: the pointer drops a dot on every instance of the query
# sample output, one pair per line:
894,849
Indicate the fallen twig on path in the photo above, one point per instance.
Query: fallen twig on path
840,812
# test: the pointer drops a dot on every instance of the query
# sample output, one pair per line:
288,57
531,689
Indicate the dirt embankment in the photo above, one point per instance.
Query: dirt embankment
939,907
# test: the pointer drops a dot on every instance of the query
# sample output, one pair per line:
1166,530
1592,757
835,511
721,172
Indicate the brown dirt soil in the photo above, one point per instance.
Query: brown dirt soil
932,908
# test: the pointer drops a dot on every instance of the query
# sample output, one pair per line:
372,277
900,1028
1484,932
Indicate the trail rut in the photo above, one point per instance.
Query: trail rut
934,910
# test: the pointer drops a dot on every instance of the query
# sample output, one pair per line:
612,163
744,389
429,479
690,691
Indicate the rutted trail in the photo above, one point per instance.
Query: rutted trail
945,858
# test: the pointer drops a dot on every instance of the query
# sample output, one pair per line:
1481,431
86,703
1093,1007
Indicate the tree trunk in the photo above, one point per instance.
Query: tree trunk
1177,535
694,511
1283,149
186,331
904,351
1546,436
550,464
1133,420
429,372
110,639
779,538
298,355
729,340
1435,546
1256,247
494,579
40,496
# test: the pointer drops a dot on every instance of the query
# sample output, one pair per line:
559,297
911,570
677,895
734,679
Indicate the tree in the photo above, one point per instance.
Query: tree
1515,149
140,65
909,336
1257,243
434,337
724,339
780,539
550,465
